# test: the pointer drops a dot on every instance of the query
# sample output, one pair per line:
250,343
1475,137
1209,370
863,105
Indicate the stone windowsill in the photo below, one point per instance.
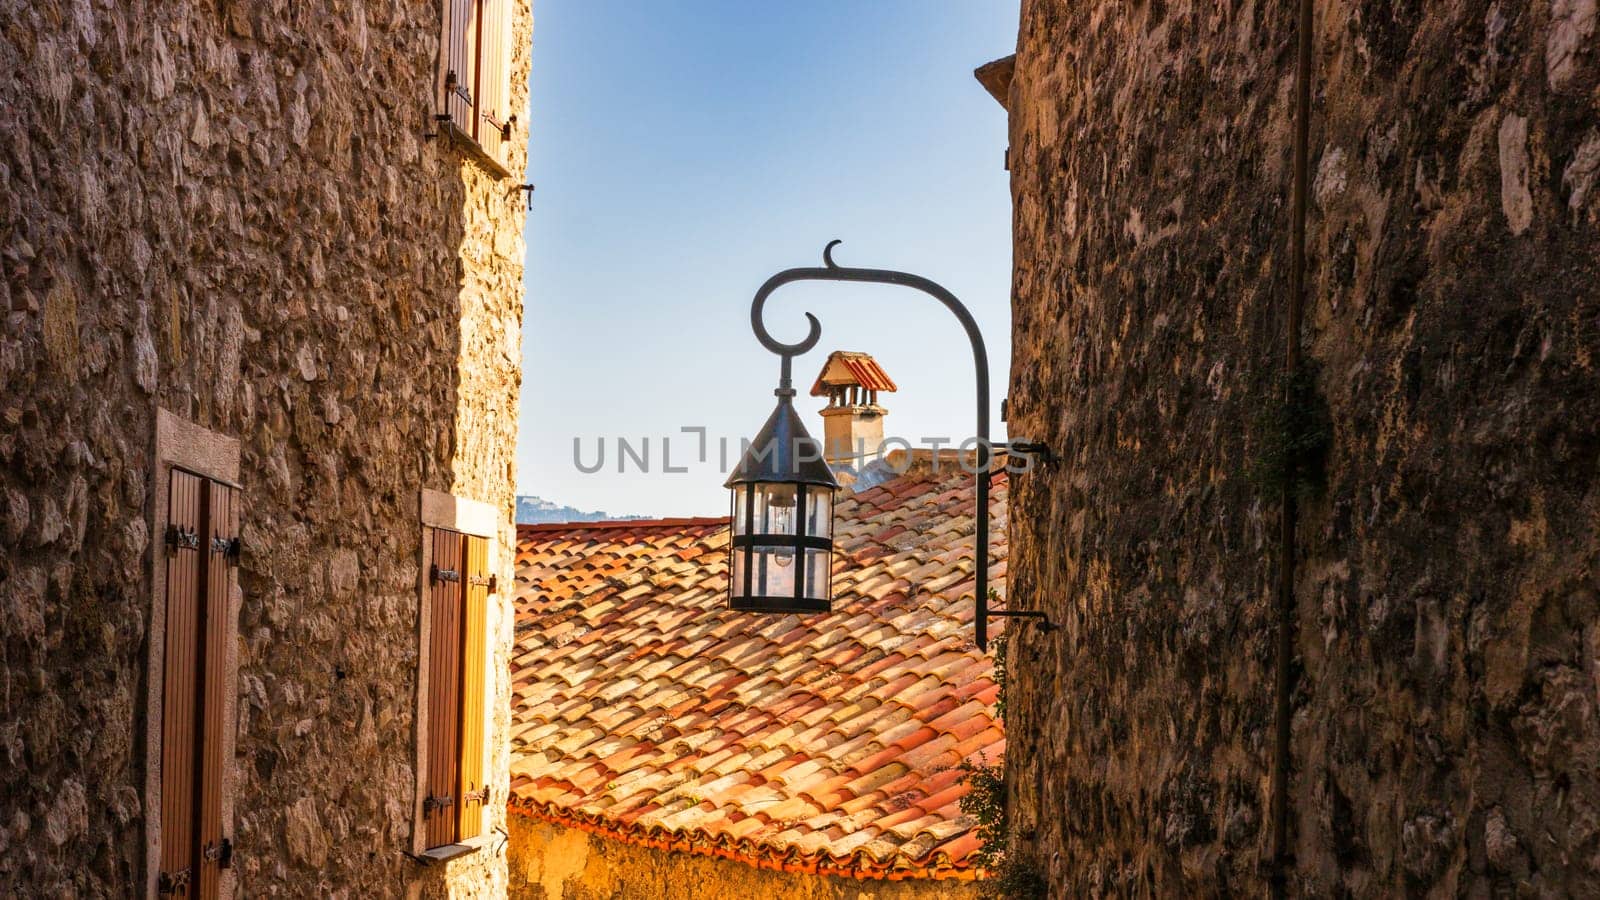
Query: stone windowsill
447,852
448,128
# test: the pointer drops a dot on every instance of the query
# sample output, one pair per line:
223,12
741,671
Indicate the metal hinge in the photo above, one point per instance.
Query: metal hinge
431,803
1034,450
175,883
478,796
484,581
227,546
221,854
180,539
503,127
439,574
452,86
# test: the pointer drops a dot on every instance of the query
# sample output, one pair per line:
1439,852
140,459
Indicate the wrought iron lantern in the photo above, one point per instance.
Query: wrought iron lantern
783,489
782,511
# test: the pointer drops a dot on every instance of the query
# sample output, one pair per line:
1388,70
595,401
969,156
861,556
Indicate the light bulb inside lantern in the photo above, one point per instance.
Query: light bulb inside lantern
781,502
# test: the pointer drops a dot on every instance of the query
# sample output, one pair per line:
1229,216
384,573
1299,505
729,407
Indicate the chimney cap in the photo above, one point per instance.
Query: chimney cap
847,368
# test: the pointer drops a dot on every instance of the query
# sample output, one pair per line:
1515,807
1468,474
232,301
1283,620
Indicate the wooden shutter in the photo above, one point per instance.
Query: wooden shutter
218,546
180,674
459,55
494,27
474,670
201,547
445,608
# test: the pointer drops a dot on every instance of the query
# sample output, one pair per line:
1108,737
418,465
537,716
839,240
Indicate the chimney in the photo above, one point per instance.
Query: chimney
852,421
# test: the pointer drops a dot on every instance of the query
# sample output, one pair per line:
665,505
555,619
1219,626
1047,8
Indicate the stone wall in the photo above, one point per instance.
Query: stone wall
1445,734
233,211
550,862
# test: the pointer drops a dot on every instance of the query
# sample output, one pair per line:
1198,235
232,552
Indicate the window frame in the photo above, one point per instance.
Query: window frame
184,446
474,519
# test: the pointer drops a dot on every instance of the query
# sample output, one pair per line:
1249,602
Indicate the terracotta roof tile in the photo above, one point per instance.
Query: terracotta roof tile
645,711
851,368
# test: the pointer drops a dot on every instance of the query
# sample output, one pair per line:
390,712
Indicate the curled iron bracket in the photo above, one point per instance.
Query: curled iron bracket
832,271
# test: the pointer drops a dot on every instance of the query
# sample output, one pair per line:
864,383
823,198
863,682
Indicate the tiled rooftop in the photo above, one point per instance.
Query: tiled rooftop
645,711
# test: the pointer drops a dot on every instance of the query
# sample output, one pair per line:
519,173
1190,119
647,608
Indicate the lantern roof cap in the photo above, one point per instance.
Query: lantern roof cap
783,452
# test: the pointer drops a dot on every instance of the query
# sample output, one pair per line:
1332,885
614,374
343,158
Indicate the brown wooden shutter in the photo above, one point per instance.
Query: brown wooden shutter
180,674
474,670
445,602
201,547
218,546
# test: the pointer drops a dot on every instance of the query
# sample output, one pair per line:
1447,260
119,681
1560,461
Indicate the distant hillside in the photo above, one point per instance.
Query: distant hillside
537,511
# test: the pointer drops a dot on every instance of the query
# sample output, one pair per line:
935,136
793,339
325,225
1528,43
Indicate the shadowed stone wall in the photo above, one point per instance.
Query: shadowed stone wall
1445,735
231,210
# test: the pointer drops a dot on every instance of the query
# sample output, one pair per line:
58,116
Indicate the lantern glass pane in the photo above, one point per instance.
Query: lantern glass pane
741,505
818,574
736,571
775,569
775,509
819,512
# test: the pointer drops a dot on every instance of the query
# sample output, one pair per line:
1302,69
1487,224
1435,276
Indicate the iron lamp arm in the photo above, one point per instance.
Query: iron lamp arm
831,271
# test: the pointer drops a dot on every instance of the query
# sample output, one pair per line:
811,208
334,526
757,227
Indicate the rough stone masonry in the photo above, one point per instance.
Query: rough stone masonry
1445,735
232,211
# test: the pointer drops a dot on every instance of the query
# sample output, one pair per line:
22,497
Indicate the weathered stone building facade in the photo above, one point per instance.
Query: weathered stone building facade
1445,735
244,220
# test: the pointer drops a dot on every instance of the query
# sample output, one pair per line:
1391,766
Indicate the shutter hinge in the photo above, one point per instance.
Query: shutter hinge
453,86
175,883
478,796
484,581
431,803
439,574
529,189
221,854
503,127
228,546
180,539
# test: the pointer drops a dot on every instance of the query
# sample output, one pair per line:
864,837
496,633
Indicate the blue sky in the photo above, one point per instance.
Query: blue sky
685,151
